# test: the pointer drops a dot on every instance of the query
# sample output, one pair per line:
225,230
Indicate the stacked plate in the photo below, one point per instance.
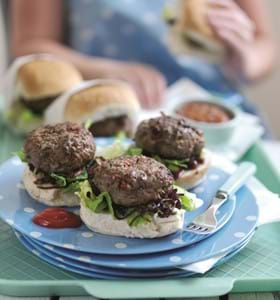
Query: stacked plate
102,256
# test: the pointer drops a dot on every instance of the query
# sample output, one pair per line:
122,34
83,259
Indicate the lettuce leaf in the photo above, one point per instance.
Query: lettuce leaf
21,155
69,184
98,204
173,165
103,204
88,123
186,199
132,150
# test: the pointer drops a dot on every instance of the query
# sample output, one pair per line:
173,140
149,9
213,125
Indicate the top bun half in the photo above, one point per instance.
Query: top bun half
41,78
101,100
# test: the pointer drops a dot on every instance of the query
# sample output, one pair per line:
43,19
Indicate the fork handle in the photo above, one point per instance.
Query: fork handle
238,178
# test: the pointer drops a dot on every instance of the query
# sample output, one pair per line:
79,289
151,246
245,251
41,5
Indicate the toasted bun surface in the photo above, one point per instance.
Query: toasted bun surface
42,78
105,224
101,101
191,178
50,197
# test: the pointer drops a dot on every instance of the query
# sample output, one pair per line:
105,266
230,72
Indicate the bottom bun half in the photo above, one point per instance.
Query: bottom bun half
190,179
106,224
50,197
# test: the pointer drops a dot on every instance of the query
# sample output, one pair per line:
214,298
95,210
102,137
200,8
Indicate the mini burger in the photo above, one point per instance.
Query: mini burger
108,106
57,157
37,83
133,196
175,143
193,31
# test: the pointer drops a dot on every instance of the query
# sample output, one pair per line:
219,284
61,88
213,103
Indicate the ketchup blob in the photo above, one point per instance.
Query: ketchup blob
57,218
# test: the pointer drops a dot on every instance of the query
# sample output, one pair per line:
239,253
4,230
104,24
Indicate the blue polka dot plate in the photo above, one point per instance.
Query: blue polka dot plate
86,269
240,226
17,208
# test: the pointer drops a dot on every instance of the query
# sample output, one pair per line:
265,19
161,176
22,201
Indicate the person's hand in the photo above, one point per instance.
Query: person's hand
148,83
235,29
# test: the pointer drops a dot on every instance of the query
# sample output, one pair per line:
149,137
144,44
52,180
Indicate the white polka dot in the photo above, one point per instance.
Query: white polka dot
59,258
239,234
69,246
107,14
49,247
85,258
150,18
218,212
127,29
199,189
120,245
214,177
122,265
16,161
36,252
10,221
251,218
35,234
175,259
61,266
110,50
177,241
1,197
29,210
87,234
20,186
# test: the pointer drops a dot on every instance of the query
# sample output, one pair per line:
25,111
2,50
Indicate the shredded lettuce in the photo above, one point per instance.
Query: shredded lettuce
21,116
186,199
98,204
132,150
88,123
69,184
21,155
173,165
121,135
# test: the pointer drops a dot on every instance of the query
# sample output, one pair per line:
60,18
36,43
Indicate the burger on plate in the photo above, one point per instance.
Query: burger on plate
175,143
133,196
57,157
38,82
109,106
191,31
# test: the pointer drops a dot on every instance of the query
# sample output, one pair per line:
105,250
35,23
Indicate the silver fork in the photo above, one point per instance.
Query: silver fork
207,221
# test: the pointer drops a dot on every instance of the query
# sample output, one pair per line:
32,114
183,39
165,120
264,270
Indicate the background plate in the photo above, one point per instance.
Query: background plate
19,212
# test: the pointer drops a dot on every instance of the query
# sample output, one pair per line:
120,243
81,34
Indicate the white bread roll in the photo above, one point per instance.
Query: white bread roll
105,224
50,197
95,100
42,77
191,178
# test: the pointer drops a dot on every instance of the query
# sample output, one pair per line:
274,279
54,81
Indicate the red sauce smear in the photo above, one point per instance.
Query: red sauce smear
204,112
57,218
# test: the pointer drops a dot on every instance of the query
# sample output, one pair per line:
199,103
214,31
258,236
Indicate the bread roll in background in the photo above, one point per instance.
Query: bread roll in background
192,34
31,84
42,78
111,105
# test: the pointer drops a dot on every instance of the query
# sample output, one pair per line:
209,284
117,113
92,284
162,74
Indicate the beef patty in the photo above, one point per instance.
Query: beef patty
112,126
131,180
169,137
61,148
